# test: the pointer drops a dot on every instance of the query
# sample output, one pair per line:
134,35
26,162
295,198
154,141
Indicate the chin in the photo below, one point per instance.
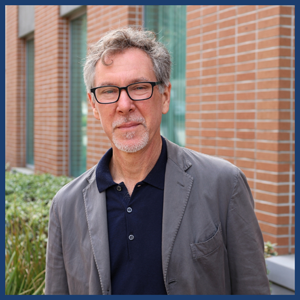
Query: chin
130,143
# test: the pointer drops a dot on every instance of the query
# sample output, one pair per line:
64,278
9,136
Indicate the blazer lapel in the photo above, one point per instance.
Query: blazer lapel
176,194
95,206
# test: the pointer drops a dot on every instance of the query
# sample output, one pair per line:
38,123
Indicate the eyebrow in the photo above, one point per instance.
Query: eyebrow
139,79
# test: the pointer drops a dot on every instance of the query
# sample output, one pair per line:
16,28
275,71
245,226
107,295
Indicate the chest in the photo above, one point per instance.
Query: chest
134,232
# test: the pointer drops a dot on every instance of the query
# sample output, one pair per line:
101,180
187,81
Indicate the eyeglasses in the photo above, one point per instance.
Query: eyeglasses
135,91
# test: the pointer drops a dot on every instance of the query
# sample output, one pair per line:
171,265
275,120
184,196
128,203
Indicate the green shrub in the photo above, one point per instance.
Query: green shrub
270,250
27,204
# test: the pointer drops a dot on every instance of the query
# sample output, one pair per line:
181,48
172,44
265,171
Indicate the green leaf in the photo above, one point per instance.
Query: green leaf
27,203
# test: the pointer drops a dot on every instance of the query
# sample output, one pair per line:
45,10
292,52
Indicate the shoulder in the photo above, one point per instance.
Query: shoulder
74,189
193,161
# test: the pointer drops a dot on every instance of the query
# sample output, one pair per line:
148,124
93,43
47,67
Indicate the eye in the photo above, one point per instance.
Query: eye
108,91
140,87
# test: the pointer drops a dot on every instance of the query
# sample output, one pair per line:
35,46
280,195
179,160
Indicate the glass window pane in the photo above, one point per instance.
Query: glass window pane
169,23
30,102
78,97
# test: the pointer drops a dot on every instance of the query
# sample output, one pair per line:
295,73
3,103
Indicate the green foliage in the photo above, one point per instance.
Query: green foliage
270,250
27,204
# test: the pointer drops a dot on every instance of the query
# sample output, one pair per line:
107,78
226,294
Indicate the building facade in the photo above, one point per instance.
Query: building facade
233,92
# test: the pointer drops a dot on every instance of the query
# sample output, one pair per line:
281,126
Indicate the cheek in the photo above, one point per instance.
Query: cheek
105,118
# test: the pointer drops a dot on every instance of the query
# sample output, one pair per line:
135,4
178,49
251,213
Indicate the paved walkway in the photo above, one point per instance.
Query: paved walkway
279,290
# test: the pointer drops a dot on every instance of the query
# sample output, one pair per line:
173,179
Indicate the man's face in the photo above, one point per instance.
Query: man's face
130,125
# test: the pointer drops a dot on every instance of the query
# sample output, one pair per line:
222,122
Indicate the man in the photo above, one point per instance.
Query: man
150,217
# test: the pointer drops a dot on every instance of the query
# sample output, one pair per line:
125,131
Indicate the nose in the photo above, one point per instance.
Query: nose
125,104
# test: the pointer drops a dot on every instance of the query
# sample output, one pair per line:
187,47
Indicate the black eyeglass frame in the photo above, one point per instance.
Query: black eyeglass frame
153,84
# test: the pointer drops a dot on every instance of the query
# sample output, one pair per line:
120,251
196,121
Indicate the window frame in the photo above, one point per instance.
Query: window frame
77,14
28,38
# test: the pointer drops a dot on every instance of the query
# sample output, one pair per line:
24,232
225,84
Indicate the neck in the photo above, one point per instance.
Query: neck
132,168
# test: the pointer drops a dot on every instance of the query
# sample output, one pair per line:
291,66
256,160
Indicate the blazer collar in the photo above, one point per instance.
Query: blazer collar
95,208
177,190
178,155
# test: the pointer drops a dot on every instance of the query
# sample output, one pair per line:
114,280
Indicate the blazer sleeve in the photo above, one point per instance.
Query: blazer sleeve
56,279
245,245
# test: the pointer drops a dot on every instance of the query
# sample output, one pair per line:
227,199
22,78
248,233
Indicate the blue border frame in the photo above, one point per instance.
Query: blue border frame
133,3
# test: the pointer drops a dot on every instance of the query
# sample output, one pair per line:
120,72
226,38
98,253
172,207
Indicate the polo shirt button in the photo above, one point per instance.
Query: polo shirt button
131,237
119,188
129,210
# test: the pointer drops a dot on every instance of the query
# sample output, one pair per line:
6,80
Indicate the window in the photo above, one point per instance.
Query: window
78,97
30,103
169,23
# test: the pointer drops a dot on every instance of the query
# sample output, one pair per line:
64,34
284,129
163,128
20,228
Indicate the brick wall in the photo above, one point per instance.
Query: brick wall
240,102
101,19
51,108
15,147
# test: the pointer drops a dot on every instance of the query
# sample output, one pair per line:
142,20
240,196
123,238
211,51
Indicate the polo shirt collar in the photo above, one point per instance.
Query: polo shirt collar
156,177
103,176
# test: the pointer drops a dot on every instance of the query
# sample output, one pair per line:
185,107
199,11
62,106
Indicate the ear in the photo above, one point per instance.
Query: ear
95,111
166,99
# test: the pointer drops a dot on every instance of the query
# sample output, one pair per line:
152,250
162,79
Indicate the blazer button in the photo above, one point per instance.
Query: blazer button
129,210
131,237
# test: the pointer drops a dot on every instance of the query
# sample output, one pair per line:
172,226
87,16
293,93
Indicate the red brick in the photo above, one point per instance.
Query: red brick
208,28
274,42
226,78
275,20
194,23
209,80
247,47
225,125
246,76
225,152
245,28
245,125
246,18
226,41
226,32
246,9
246,57
246,38
207,10
209,54
246,67
209,19
245,154
227,51
226,134
227,14
192,8
227,23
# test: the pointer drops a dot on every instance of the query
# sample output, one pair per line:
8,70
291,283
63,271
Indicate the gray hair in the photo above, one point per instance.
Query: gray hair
118,40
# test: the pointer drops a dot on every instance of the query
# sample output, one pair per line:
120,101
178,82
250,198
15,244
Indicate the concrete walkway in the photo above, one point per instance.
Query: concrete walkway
280,290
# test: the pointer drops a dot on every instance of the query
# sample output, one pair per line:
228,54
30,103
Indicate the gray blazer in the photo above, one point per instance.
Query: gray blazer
211,240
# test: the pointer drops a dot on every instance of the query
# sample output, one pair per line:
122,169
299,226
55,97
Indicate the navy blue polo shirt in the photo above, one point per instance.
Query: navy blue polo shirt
135,229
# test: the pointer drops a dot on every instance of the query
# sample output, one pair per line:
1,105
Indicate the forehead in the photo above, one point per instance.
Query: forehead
125,66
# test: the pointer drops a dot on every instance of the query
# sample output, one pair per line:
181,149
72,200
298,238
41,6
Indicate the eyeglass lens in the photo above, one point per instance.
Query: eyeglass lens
138,91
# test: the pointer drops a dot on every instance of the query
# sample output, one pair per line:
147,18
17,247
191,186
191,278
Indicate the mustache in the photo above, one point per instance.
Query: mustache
124,120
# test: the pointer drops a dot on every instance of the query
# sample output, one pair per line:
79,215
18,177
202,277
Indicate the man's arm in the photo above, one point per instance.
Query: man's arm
56,279
245,243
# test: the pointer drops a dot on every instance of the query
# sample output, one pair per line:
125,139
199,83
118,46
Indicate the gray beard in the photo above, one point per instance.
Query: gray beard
123,146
